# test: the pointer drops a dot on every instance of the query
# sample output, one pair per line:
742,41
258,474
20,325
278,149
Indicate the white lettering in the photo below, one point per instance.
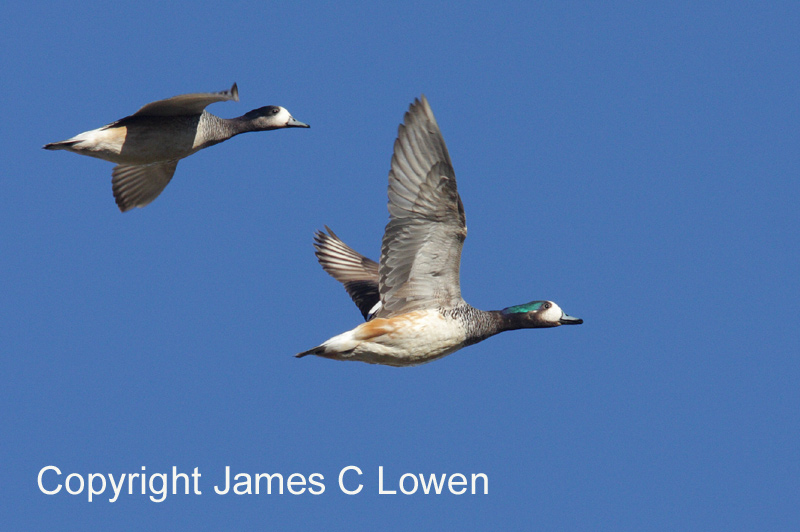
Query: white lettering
195,478
341,483
175,476
243,487
41,486
117,488
162,491
452,482
485,483
269,482
437,486
380,484
227,482
67,484
130,482
90,482
292,483
315,483
403,487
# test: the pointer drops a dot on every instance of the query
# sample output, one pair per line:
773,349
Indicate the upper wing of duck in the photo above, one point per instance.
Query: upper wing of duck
357,273
421,249
187,104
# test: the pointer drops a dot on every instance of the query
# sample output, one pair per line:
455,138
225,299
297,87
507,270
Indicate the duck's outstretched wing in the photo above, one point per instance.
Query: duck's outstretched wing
187,104
357,273
421,249
138,185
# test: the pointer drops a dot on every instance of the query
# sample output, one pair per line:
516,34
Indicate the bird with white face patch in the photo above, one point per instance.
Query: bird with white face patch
147,145
412,298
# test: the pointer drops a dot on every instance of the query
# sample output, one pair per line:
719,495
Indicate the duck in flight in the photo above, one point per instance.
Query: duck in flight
411,299
147,145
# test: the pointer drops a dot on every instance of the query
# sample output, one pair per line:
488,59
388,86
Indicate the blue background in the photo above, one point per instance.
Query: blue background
637,164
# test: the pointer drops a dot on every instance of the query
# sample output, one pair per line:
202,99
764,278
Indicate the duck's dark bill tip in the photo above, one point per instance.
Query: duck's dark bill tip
569,320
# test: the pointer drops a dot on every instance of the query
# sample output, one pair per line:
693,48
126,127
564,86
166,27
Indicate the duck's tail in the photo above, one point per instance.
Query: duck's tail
63,145
319,350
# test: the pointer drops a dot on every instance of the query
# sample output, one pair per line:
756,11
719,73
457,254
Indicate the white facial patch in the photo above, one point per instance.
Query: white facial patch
282,117
553,314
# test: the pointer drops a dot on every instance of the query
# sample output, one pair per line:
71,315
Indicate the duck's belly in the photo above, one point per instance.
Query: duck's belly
405,340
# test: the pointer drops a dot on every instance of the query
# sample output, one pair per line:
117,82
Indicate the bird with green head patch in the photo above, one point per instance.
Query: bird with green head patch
411,299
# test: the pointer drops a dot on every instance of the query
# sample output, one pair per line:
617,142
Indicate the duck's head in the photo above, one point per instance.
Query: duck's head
539,314
271,117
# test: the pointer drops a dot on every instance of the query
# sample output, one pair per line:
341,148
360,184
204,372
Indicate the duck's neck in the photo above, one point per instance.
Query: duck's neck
216,129
481,324
240,124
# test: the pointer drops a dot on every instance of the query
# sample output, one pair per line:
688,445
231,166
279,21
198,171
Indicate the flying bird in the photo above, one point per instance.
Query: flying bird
411,299
147,145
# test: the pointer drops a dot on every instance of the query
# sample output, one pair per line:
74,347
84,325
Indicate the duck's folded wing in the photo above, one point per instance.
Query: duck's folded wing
421,249
357,273
187,104
136,186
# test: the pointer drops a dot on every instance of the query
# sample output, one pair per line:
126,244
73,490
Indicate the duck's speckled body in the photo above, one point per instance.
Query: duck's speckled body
147,145
412,298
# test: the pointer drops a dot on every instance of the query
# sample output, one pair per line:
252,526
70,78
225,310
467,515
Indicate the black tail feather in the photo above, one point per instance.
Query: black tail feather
64,144
315,351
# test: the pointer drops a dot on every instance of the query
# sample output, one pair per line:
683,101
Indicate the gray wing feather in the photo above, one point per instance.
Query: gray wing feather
421,249
187,104
138,185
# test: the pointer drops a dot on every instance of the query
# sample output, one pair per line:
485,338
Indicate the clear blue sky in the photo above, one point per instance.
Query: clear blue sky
638,165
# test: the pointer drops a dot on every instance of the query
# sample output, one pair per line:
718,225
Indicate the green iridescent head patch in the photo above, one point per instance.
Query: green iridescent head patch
527,307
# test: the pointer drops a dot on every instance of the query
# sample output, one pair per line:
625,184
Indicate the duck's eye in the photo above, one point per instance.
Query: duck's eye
547,305
275,111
